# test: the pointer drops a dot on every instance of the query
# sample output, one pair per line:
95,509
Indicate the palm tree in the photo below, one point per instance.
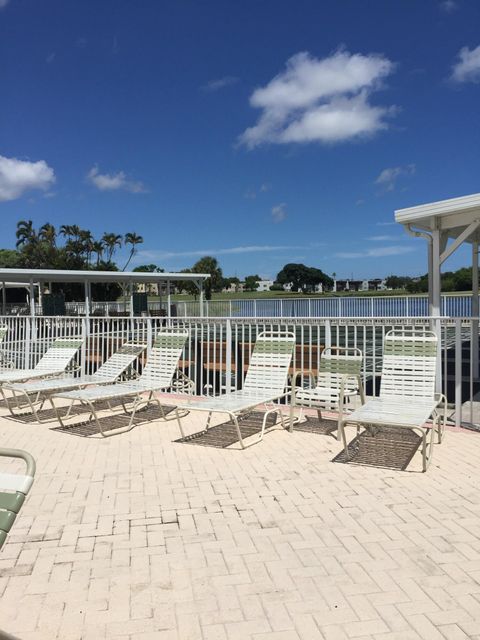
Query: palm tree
132,239
86,239
98,247
111,242
25,233
66,231
48,234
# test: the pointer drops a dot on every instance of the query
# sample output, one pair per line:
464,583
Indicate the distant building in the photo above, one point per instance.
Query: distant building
375,284
264,285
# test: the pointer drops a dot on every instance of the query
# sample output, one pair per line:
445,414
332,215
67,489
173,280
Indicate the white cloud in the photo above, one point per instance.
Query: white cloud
114,181
379,252
385,224
320,100
279,212
388,177
18,176
3,3
159,255
381,238
221,83
251,194
50,58
467,69
448,6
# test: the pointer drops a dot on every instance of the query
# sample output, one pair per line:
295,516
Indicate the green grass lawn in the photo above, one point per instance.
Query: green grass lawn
250,295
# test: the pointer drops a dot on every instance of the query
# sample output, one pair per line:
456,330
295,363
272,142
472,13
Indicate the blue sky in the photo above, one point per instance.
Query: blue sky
262,132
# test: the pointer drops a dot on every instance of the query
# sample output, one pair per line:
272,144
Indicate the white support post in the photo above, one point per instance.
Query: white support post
228,356
430,278
458,372
87,298
130,294
200,286
169,301
31,294
4,300
436,304
475,309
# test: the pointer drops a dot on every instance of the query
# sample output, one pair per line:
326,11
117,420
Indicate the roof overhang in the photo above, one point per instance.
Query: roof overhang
25,276
449,216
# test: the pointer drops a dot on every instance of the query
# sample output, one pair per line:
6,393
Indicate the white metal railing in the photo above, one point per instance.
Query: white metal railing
453,305
217,353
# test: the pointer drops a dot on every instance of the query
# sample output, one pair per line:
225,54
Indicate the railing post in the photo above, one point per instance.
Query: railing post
458,371
83,349
28,338
228,356
372,314
328,334
149,336
230,308
281,308
255,308
339,307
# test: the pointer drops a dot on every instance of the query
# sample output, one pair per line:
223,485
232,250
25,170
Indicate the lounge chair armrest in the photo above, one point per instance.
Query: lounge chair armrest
23,455
358,379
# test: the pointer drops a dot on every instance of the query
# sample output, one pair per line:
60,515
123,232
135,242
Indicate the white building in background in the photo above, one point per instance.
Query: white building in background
264,285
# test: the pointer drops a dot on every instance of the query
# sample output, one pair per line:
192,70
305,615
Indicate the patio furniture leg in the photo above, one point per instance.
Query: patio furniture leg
237,427
179,423
343,435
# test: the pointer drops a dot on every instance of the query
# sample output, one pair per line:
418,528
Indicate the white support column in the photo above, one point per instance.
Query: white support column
436,303
4,299
200,286
475,309
87,298
169,301
130,293
31,294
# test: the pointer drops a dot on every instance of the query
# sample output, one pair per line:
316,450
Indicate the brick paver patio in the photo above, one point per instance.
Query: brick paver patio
142,537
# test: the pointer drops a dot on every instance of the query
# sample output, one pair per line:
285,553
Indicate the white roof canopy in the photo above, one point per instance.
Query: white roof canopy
23,276
450,217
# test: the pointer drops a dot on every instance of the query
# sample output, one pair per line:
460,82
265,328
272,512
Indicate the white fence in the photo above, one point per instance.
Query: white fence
455,306
217,354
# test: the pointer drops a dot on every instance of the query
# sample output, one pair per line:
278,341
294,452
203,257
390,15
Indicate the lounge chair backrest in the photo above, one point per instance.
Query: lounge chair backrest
13,489
409,364
119,361
59,354
269,363
335,364
164,356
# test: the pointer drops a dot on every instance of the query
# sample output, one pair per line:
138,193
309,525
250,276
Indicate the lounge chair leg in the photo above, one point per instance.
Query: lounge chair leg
177,415
340,419
237,427
341,428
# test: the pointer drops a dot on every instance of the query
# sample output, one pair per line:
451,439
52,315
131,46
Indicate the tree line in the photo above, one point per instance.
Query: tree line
459,280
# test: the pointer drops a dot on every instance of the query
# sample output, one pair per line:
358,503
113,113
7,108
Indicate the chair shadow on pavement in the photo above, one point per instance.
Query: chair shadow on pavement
389,448
321,427
224,435
87,427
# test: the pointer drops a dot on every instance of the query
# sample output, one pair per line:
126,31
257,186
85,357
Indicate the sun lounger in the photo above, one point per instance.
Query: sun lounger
266,381
157,376
107,373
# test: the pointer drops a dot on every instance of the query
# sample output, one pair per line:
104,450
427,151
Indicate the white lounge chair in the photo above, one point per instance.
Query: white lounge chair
407,392
5,363
156,376
107,373
338,382
266,381
53,363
